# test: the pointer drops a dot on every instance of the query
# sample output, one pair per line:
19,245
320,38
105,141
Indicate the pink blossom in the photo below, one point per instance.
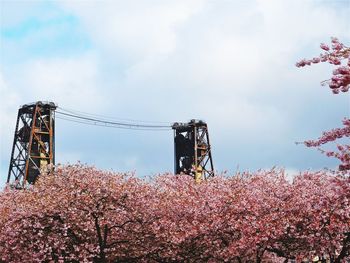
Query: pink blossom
335,57
84,214
316,60
324,47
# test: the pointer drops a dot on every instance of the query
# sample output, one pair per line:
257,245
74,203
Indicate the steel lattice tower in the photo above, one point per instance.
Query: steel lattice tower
192,150
34,143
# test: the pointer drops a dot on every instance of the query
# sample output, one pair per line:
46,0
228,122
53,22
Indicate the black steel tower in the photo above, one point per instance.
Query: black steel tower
34,143
192,149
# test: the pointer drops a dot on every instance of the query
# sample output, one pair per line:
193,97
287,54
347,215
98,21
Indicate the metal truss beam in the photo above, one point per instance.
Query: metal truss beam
192,150
33,144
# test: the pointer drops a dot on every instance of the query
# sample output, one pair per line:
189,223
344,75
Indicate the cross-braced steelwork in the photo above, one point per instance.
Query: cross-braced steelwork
33,145
192,149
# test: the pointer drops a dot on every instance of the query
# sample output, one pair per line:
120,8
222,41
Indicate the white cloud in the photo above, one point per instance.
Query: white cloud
70,82
134,29
10,101
228,62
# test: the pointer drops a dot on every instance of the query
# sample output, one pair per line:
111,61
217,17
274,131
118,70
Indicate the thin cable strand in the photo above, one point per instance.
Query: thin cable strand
105,117
103,123
109,126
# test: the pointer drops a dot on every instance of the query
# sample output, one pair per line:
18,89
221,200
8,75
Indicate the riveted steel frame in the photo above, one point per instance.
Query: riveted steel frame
196,137
33,142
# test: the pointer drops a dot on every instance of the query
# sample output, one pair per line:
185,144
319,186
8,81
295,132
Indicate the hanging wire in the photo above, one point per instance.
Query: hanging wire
105,117
108,125
78,118
125,124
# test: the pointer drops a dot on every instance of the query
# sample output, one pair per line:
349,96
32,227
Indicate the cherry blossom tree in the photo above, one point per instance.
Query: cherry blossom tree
81,214
317,220
338,55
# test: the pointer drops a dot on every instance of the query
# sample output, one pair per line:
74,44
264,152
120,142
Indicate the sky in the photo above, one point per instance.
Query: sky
230,63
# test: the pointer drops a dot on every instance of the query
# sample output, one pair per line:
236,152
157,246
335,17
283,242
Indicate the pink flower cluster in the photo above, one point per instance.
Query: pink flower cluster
332,135
343,151
81,214
340,81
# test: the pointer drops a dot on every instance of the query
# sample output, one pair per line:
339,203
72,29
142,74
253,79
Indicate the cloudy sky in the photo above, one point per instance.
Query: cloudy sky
228,62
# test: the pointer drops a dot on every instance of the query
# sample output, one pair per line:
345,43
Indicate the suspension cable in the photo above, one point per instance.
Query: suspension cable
108,126
105,117
79,118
